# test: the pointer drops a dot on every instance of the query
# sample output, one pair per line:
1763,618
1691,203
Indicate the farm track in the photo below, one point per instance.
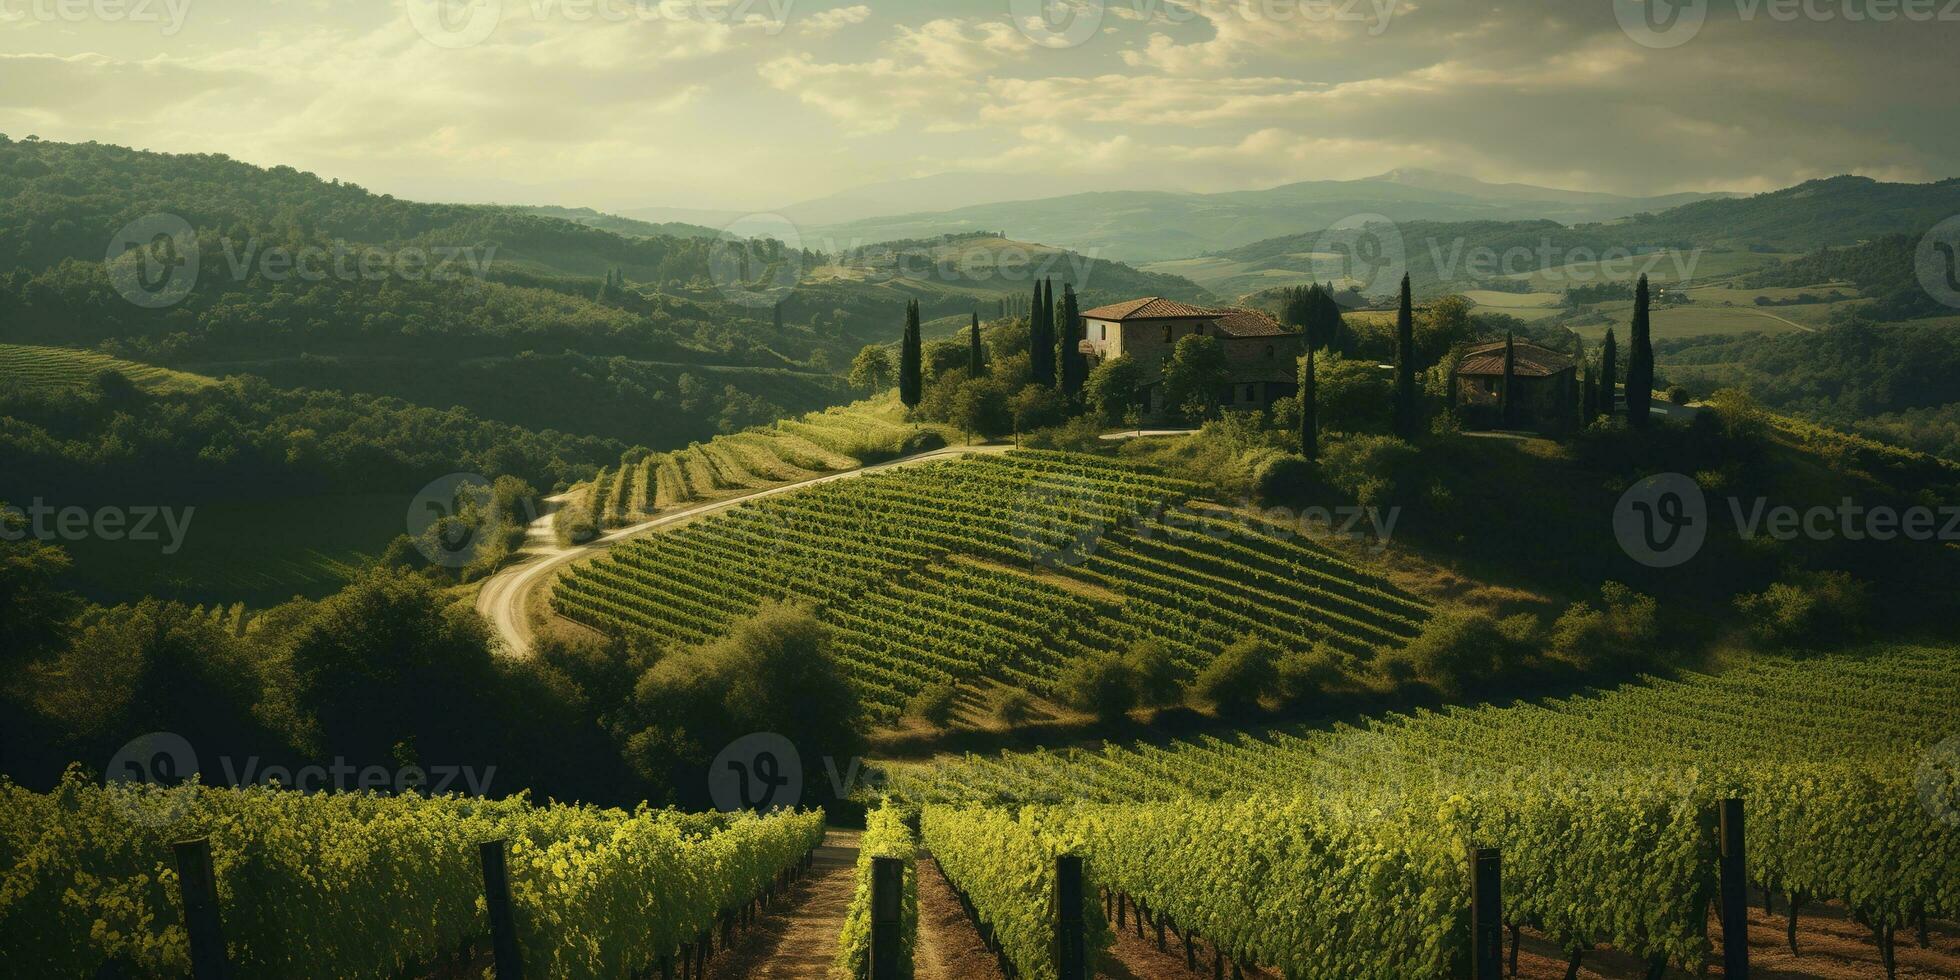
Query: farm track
505,598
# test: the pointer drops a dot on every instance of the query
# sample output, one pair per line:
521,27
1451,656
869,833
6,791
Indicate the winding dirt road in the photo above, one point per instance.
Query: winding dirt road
505,599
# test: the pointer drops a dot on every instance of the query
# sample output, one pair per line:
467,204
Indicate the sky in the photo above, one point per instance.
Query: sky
757,104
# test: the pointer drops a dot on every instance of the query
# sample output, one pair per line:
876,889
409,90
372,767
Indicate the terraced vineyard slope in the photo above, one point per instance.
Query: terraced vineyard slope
68,367
1000,567
644,485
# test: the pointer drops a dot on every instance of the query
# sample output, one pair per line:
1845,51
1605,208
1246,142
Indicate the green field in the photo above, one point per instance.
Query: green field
1659,267
67,367
258,553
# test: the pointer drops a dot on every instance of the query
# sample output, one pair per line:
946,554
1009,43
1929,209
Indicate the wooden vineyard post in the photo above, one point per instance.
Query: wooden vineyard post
1735,894
887,898
1071,934
198,884
503,925
1486,914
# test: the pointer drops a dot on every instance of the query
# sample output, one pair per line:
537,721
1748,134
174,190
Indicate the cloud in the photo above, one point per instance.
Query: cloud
752,104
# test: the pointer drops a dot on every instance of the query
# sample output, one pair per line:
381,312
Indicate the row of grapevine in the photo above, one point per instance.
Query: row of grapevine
360,885
1002,866
1602,807
886,835
999,567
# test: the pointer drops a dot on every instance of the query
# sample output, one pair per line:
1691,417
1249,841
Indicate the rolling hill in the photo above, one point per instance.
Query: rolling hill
1149,226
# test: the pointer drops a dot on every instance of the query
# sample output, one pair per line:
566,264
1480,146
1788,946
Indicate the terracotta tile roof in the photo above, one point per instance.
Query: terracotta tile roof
1147,308
1249,323
1533,361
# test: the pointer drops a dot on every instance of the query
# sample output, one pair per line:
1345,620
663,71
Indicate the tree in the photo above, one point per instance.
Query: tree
976,356
1589,398
871,369
1405,365
1041,339
1309,410
910,384
1507,403
776,313
1640,361
1100,683
1155,674
1075,365
1243,672
1037,407
1193,375
1609,354
980,407
1113,388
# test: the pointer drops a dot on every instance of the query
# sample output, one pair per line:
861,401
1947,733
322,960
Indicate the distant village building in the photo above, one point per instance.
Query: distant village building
1544,387
1262,354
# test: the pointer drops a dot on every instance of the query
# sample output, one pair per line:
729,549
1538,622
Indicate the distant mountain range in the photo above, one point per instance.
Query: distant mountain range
1147,226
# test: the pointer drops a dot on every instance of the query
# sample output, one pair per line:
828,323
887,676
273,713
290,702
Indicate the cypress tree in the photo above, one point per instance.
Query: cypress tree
1041,345
779,316
1050,334
1405,364
1640,361
975,358
1589,398
1609,370
910,386
1506,405
1075,367
1309,411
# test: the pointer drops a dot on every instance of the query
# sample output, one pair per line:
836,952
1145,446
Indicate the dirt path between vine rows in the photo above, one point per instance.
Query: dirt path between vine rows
798,940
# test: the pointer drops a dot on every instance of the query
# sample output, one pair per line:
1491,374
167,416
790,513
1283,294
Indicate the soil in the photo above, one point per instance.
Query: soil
796,939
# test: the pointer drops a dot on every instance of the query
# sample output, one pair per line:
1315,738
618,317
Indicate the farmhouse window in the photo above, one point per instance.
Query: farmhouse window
1167,333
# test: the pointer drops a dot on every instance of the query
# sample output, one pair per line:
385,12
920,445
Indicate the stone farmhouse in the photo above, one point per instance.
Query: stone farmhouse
1263,355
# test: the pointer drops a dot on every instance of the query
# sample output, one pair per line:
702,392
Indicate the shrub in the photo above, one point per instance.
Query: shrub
1242,673
1460,648
1620,633
1369,468
1305,675
1101,684
1156,675
1678,395
1818,607
574,525
1037,407
1014,707
1281,476
934,704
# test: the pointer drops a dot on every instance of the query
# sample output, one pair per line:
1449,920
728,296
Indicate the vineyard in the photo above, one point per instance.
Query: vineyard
65,367
644,485
999,567
886,835
1343,852
359,885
